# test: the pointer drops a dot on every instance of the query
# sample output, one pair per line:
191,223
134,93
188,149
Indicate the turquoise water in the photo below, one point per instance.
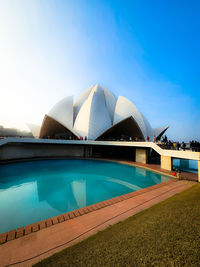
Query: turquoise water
186,165
37,190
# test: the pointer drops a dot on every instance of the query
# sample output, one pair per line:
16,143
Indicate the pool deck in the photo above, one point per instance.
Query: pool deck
33,247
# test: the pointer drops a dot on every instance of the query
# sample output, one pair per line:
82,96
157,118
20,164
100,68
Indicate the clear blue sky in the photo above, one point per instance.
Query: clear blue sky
148,51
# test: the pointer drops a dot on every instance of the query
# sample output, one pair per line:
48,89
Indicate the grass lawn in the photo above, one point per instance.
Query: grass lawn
168,234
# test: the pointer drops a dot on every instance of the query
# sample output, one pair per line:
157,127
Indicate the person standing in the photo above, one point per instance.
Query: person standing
174,145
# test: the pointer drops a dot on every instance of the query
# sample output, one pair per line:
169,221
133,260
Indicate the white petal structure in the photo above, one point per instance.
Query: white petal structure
125,108
35,129
78,104
149,131
62,112
159,131
97,115
110,102
93,117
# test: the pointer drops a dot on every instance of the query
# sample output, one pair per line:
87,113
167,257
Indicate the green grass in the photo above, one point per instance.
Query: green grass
168,234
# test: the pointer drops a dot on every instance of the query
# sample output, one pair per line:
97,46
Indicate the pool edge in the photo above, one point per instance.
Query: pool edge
38,226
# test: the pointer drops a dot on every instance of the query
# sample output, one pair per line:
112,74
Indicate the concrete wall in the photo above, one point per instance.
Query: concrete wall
23,151
166,163
141,155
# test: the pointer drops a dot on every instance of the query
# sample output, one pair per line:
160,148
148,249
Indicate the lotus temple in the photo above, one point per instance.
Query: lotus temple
97,115
93,162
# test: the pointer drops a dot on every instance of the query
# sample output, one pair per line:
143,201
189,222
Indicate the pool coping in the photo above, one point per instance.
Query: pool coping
37,226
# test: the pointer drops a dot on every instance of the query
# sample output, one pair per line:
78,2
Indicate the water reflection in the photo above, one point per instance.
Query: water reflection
42,189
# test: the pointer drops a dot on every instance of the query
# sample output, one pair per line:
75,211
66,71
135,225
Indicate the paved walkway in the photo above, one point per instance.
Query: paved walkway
32,248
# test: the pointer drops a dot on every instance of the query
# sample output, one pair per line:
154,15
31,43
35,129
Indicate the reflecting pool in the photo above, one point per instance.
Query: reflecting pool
36,190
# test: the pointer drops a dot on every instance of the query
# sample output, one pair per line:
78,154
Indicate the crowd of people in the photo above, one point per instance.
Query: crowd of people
162,142
168,144
195,146
64,137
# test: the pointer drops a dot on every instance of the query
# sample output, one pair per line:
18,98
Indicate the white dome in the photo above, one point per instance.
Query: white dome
96,113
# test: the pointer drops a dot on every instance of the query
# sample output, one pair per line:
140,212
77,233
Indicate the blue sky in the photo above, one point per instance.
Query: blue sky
147,51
